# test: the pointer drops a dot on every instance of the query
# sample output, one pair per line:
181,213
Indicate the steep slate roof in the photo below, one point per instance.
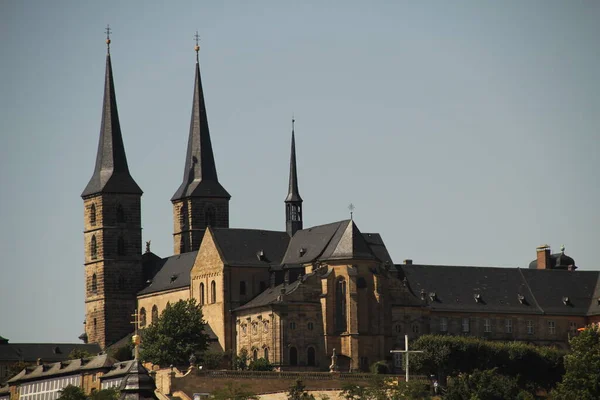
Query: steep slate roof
174,273
48,352
378,248
200,173
240,247
293,192
455,288
550,286
137,384
111,173
335,241
270,296
65,367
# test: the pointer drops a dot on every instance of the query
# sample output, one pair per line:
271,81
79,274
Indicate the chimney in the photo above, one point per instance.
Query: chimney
543,257
408,261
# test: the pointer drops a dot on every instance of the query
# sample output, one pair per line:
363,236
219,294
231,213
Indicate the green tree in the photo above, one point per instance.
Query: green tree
581,380
78,352
71,392
297,392
240,361
212,360
233,391
261,364
105,394
178,333
122,353
485,385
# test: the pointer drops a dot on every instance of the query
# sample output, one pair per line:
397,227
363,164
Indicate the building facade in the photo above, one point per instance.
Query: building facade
293,296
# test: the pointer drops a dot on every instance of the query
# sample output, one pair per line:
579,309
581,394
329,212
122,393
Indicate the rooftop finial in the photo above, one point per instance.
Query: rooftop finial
351,208
197,47
293,121
562,249
107,31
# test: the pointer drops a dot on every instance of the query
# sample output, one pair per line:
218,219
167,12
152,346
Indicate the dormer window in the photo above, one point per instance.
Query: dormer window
432,296
260,255
477,297
566,301
521,298
423,295
302,251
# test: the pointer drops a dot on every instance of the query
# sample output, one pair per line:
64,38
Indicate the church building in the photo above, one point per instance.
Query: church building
293,296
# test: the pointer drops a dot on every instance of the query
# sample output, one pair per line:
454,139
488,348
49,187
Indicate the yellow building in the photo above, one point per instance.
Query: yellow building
293,296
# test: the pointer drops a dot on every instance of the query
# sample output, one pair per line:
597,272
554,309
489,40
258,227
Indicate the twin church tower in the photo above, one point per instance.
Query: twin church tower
115,269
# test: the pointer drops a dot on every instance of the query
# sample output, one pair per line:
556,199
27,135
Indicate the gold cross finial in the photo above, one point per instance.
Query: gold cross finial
136,338
197,47
108,32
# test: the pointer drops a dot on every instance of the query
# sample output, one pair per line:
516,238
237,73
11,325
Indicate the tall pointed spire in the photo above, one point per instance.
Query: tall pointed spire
200,173
111,174
293,201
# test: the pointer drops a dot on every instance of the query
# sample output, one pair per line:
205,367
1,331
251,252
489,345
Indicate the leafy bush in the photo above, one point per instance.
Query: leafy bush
261,364
485,385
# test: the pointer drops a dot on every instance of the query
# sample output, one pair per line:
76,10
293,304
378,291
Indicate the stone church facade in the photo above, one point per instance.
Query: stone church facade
292,296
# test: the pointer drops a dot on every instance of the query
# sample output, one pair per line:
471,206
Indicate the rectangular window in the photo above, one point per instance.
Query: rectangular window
508,326
465,325
573,327
415,328
487,325
443,324
551,327
530,328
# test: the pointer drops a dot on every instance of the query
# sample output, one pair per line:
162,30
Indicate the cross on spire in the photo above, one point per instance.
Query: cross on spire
197,47
108,32
351,208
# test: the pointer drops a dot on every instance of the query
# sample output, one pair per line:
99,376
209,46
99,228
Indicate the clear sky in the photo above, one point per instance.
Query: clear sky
465,132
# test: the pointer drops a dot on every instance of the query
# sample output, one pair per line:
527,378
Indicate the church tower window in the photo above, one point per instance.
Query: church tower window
121,246
202,293
340,306
93,248
182,245
209,216
213,292
266,356
94,284
142,317
154,314
310,357
255,354
95,325
93,215
242,288
293,356
120,214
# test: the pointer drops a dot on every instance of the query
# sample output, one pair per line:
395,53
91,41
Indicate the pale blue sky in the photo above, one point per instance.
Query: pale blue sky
465,132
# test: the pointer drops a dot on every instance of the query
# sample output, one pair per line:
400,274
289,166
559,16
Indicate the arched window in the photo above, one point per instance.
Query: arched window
183,217
94,284
202,293
361,283
93,248
121,246
213,292
293,356
121,282
340,306
93,214
95,325
242,288
142,317
209,216
154,314
181,245
266,356
310,357
266,326
255,354
120,214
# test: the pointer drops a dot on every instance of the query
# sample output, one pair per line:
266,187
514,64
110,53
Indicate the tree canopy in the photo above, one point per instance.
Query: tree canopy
581,380
176,335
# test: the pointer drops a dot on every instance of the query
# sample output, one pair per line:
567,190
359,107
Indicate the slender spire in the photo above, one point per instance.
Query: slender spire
200,173
111,173
293,201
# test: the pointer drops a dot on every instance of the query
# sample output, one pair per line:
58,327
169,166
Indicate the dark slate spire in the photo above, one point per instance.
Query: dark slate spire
293,201
111,174
200,173
137,384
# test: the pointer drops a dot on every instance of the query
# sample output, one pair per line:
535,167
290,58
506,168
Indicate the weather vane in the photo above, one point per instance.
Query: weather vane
108,32
197,47
351,208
